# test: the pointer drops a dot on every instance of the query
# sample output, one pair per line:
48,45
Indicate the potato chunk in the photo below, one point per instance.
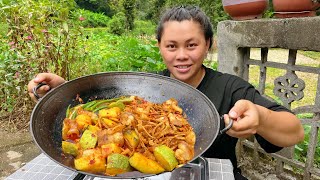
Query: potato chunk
83,120
110,148
91,161
145,165
111,113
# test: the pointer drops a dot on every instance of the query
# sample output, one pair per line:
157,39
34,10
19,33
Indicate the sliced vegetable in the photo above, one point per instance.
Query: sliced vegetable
88,139
165,156
72,112
93,129
99,108
118,104
103,102
127,99
144,164
131,138
117,164
109,123
88,105
70,148
68,110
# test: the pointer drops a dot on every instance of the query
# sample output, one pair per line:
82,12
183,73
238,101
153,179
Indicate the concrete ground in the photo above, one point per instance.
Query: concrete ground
16,149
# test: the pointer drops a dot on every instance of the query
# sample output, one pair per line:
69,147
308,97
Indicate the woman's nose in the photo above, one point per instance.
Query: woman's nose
182,54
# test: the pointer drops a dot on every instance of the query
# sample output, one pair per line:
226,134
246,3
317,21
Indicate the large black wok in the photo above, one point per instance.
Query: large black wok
48,114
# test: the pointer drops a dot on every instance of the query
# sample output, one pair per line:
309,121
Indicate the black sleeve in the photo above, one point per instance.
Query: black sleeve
241,89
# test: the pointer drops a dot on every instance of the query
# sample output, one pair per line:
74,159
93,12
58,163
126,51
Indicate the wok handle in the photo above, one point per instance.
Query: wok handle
228,127
34,90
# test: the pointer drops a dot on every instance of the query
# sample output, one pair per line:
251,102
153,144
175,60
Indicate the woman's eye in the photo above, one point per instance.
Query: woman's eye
170,46
192,45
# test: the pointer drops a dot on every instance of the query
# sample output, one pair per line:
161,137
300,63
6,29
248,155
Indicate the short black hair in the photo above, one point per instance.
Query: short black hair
182,13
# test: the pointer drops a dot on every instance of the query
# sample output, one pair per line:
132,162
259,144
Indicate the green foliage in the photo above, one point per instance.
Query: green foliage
211,64
129,7
41,38
12,81
171,3
214,10
143,8
116,24
90,19
98,6
142,28
154,11
301,148
108,52
269,12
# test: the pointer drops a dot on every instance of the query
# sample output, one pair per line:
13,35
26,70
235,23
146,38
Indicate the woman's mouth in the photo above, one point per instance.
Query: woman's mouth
183,68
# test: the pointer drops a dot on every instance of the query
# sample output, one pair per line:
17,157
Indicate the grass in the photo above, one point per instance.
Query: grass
311,54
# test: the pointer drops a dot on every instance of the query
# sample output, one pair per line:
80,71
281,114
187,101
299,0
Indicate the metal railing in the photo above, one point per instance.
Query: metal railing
235,40
289,88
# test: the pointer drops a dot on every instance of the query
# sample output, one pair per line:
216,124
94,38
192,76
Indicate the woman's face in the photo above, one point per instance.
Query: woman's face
183,48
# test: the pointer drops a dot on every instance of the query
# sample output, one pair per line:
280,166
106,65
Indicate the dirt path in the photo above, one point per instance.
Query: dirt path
275,55
281,55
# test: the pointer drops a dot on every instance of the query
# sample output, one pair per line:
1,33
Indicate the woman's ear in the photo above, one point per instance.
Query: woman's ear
208,44
158,45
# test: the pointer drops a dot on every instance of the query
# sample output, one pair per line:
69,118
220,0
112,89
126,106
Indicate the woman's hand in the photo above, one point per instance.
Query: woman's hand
281,128
52,81
246,119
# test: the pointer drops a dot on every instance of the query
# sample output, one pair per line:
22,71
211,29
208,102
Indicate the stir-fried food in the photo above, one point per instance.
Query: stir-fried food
125,134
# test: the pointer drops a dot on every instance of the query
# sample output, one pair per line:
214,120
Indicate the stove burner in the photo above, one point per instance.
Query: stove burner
196,170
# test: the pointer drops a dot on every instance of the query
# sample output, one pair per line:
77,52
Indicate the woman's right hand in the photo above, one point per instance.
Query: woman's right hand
52,81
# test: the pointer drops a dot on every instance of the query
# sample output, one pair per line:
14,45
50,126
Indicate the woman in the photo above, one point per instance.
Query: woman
184,37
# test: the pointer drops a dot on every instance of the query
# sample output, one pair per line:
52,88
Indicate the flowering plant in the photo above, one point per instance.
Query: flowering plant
315,1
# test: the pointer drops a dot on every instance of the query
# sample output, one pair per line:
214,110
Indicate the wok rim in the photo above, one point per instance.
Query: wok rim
43,99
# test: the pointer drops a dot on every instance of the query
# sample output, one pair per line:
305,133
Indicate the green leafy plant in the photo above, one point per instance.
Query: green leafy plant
40,38
109,52
301,148
117,24
90,19
144,28
129,7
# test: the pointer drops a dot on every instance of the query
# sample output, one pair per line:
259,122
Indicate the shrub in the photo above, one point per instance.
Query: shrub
90,19
142,28
109,52
40,38
117,24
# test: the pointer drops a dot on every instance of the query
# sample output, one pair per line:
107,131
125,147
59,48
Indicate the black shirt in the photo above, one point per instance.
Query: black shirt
224,90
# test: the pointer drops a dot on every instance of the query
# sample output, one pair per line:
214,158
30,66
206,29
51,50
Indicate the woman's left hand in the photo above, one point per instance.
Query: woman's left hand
246,119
